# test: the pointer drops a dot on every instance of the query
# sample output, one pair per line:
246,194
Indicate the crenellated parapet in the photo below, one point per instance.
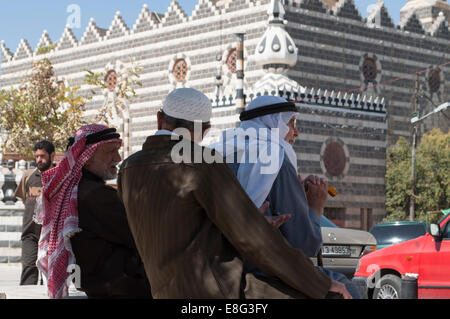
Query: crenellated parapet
23,51
440,27
346,9
146,20
118,28
67,41
93,33
7,55
45,43
149,21
174,15
379,17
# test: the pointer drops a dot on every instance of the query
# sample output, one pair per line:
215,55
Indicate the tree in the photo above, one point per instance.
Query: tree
432,176
118,87
42,108
118,90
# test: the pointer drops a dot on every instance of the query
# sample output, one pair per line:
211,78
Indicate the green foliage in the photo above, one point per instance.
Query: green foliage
46,49
41,109
128,81
432,176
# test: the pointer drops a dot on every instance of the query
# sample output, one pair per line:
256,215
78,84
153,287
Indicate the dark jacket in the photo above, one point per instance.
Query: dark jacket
194,224
104,249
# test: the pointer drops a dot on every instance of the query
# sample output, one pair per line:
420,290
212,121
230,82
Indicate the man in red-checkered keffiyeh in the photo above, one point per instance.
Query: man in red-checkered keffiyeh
58,211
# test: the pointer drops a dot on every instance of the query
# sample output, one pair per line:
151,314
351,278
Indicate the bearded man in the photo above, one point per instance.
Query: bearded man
29,189
85,227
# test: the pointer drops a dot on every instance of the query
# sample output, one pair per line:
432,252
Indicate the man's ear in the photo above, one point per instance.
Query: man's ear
206,129
52,157
159,117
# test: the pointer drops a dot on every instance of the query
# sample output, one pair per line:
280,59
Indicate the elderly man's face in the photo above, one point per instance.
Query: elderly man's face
105,160
293,132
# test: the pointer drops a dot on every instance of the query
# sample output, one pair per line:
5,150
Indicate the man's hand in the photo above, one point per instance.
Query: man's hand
317,193
340,288
275,221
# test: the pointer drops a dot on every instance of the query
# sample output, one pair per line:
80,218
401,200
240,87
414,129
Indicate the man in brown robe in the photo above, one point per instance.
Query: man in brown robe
193,223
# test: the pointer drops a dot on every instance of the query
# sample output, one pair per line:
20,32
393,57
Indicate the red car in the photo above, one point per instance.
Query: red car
380,272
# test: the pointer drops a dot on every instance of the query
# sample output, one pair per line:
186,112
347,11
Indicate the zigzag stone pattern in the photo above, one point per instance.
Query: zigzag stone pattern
93,33
146,21
175,15
204,9
237,5
6,53
68,40
348,10
386,20
443,31
313,5
117,29
23,51
413,24
44,41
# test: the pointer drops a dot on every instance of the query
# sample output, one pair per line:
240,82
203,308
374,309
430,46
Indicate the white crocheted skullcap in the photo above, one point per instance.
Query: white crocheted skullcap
188,104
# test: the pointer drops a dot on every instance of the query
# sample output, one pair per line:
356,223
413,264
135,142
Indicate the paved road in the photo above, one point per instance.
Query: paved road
9,285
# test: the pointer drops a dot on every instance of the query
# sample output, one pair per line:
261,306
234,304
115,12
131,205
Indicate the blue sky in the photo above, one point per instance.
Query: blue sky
29,18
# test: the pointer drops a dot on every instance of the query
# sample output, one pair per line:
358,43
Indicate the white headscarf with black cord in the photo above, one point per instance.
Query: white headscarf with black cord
267,115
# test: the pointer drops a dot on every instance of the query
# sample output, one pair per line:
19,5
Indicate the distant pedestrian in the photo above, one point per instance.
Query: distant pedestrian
29,189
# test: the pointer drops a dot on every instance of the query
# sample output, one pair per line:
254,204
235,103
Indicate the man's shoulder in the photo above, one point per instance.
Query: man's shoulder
163,150
89,189
28,173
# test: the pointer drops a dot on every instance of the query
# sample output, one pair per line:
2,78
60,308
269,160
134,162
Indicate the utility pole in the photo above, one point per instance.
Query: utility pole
413,151
240,100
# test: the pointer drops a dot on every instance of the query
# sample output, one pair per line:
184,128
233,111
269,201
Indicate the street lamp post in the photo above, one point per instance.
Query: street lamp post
414,121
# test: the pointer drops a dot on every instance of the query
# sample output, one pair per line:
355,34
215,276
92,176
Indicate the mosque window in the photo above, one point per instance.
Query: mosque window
334,159
434,81
180,70
369,69
232,60
111,79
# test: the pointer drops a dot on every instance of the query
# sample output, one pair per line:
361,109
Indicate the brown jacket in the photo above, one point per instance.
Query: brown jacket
194,224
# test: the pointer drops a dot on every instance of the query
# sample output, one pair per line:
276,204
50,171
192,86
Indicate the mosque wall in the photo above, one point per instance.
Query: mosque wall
338,50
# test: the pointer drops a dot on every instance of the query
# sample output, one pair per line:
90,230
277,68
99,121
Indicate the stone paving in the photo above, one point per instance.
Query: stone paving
9,286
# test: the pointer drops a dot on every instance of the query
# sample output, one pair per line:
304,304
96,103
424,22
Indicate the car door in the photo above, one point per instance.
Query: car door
434,271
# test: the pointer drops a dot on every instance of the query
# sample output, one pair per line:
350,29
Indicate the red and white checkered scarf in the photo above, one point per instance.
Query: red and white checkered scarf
58,211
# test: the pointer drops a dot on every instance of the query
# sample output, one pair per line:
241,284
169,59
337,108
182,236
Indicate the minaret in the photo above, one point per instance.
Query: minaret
275,53
426,10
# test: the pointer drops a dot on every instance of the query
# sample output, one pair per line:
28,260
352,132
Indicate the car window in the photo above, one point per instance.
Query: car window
447,230
325,222
393,234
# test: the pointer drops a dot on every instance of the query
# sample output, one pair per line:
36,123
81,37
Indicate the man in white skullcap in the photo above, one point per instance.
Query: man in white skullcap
190,219
268,127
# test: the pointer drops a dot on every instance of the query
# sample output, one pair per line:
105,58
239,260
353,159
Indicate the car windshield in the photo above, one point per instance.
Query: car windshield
394,234
325,222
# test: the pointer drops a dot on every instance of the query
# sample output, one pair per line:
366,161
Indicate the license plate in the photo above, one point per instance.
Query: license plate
336,251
